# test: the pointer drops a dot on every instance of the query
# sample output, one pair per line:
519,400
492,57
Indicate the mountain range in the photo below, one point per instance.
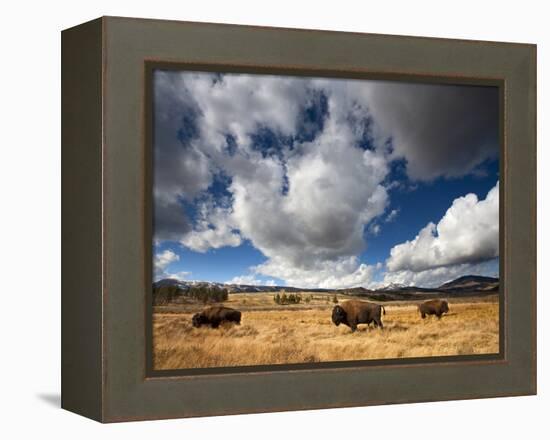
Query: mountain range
462,285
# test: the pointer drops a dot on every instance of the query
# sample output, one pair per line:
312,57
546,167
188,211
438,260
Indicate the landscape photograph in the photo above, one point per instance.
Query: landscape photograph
302,220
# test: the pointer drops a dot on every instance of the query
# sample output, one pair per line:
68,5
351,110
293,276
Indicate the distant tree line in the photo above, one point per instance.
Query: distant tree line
203,294
282,298
206,294
165,294
293,298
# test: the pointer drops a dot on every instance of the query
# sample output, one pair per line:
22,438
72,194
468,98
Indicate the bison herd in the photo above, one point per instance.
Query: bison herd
350,313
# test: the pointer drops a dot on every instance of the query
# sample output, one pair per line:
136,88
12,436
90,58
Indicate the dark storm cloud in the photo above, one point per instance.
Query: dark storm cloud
180,169
440,130
169,221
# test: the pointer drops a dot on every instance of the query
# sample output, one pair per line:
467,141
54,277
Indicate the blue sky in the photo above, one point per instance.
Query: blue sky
322,182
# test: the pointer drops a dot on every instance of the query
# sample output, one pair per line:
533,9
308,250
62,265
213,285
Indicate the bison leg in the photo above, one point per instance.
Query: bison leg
215,324
353,326
423,315
378,323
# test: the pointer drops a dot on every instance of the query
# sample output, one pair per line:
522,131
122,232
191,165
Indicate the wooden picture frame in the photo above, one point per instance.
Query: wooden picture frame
106,214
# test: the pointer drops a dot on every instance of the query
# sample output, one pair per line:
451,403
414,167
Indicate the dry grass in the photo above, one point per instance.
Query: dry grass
271,334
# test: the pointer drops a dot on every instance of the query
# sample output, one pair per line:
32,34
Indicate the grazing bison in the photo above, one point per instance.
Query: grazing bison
433,307
215,315
355,312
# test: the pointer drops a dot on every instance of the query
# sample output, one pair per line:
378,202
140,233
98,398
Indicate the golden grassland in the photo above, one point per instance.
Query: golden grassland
304,333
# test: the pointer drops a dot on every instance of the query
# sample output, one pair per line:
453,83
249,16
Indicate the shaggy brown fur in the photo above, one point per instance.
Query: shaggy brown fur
433,307
215,315
354,312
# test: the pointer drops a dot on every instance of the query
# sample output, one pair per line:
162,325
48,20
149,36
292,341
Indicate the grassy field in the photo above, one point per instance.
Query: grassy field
274,334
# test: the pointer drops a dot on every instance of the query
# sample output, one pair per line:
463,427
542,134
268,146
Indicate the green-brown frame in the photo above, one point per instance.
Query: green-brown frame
106,234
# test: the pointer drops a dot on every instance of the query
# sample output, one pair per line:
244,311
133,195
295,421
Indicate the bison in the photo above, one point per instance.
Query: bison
215,315
355,312
433,307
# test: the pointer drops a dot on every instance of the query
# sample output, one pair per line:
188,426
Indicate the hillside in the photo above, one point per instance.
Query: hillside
463,286
232,288
471,282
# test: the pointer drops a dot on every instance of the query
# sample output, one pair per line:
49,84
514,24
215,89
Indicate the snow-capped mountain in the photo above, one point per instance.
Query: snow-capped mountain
471,283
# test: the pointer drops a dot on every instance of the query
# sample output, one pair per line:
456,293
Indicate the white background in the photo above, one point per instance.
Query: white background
30,219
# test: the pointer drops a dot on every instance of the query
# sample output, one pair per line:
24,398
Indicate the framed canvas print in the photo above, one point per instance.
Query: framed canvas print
262,219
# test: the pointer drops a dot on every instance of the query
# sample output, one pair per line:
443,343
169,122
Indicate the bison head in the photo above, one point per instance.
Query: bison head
198,319
338,315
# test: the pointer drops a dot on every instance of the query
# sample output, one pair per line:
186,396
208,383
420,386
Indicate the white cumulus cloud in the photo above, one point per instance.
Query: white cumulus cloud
164,259
392,215
214,229
467,233
249,280
161,262
333,189
345,272
437,276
